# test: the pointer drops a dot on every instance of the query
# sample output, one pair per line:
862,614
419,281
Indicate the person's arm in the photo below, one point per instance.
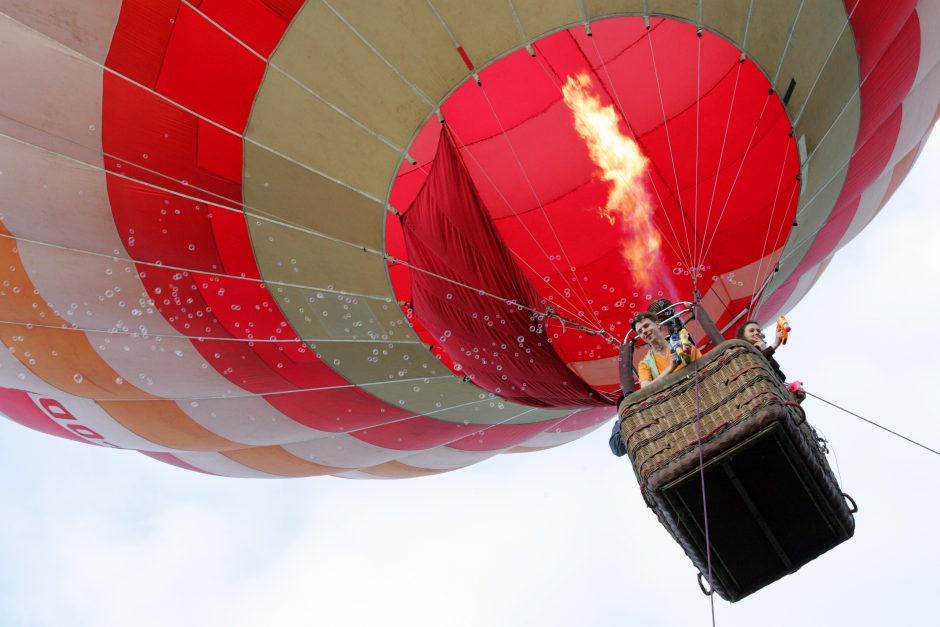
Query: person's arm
644,375
779,339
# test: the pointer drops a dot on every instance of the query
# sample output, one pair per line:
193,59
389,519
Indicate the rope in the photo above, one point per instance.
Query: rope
573,305
672,159
698,111
721,153
875,424
770,221
701,474
525,175
737,177
616,98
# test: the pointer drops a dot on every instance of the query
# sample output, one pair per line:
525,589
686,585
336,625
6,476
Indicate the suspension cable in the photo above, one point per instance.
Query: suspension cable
672,158
538,200
875,424
466,147
701,473
676,248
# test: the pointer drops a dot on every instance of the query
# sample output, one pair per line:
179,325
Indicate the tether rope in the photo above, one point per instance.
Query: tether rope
875,424
701,473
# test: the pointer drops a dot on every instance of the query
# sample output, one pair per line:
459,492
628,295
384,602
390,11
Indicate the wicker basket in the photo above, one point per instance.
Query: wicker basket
773,501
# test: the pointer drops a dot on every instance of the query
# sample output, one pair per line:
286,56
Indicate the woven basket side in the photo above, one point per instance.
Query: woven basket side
731,384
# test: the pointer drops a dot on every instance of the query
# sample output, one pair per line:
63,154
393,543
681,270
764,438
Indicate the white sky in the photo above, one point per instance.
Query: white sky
95,537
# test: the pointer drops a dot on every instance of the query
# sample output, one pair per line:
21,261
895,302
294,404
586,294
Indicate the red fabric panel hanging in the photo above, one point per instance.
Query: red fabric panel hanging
504,349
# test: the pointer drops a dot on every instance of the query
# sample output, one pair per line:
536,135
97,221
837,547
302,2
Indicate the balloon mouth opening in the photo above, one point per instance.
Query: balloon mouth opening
714,166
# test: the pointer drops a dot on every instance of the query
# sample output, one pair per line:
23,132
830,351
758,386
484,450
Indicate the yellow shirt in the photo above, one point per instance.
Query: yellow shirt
662,364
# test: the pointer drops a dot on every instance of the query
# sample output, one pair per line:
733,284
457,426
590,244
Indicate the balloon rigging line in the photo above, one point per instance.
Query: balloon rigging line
263,216
519,25
806,99
277,222
822,140
701,474
326,388
443,24
770,221
561,295
513,303
554,424
323,435
698,111
242,136
417,90
796,247
295,80
475,429
737,175
760,118
508,301
584,297
747,26
150,264
572,306
756,295
676,248
483,428
721,152
544,212
786,48
522,222
262,395
208,338
378,136
536,241
305,166
829,448
875,424
672,158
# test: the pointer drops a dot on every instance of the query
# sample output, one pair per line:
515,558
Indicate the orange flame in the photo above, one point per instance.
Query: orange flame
623,164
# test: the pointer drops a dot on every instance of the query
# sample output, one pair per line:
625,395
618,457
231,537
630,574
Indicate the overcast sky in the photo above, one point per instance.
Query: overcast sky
96,537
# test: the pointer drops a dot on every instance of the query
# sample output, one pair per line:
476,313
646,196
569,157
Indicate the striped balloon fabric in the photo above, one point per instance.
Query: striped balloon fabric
204,206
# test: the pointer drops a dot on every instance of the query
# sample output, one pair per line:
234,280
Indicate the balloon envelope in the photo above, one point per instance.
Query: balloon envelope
203,204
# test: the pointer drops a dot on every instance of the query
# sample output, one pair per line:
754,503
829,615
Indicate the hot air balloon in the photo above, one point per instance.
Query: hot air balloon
222,229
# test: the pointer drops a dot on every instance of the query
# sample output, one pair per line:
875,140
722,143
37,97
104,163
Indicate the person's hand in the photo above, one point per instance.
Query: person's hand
779,339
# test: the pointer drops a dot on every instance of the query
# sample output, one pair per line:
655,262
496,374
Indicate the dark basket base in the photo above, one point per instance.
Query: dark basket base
771,509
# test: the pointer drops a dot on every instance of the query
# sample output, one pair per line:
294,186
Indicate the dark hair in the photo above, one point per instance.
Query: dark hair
740,333
640,317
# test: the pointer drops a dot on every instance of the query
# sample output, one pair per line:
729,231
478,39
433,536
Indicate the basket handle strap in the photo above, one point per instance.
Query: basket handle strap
706,322
626,368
